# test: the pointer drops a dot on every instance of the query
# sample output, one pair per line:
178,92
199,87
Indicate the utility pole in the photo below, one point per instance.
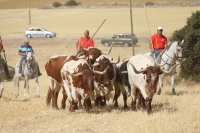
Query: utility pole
133,42
29,11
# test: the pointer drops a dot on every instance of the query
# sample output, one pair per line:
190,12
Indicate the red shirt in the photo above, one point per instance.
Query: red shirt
159,42
1,45
85,43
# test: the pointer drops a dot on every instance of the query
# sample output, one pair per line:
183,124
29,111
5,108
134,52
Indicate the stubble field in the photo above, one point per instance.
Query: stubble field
174,114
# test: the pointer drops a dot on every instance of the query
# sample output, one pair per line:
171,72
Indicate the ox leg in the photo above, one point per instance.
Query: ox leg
102,100
97,100
107,100
148,105
55,96
117,94
80,106
37,87
87,104
125,93
143,102
63,103
161,77
133,95
71,109
125,101
172,75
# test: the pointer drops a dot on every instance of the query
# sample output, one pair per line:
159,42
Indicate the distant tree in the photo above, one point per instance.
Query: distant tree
71,3
190,66
56,4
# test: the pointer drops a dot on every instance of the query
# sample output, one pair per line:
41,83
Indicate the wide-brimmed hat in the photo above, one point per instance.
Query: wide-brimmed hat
26,40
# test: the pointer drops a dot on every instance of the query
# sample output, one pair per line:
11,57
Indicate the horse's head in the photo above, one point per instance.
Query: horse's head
30,59
179,51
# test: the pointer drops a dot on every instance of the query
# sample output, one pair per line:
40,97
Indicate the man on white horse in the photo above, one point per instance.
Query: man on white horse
158,43
23,50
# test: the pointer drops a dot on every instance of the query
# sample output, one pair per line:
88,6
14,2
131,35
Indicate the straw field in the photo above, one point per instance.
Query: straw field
171,114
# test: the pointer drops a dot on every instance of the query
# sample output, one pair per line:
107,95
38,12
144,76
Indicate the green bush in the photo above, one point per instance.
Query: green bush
56,4
71,3
149,3
190,66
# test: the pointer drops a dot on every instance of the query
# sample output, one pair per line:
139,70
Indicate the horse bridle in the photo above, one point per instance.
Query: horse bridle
177,57
29,67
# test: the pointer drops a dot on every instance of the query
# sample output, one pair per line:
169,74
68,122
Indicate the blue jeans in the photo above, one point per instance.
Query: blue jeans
20,67
156,52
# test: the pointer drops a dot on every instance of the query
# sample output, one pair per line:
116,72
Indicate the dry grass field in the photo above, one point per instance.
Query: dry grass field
171,114
15,4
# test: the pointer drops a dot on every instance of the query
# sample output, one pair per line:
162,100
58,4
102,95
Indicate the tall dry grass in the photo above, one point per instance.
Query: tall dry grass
175,114
72,22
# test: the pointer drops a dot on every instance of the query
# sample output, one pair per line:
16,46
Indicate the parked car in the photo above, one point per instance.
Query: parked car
124,39
39,32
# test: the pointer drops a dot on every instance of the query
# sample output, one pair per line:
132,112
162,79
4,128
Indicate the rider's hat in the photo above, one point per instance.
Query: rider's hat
159,28
26,40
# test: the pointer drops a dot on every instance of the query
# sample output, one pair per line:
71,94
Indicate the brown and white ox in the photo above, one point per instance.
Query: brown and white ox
143,74
53,68
104,83
78,79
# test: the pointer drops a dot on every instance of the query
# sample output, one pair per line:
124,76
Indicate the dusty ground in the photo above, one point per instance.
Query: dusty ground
175,114
170,113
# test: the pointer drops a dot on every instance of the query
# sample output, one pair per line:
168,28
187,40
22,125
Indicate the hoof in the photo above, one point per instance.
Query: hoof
16,96
150,112
159,92
125,107
173,92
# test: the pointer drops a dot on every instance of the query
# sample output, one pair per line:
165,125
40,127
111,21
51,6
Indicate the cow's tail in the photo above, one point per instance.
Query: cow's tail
48,99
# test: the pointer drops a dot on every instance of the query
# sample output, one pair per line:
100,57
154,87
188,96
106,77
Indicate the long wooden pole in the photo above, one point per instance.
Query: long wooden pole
133,42
29,10
147,20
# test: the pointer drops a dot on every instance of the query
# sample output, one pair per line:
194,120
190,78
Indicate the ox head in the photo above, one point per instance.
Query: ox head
179,51
85,79
152,74
94,53
30,59
102,63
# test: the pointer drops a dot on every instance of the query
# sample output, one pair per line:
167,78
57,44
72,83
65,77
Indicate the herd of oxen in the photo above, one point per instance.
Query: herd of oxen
94,75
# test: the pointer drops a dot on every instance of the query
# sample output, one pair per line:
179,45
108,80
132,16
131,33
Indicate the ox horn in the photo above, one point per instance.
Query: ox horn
168,72
160,65
137,71
123,72
108,51
101,73
76,75
115,62
95,64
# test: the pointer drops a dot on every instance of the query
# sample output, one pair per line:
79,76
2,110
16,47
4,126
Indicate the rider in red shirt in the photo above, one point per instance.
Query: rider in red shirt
158,43
3,61
84,42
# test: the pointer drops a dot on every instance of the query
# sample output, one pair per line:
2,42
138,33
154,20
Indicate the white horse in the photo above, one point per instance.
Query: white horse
2,77
30,72
172,54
